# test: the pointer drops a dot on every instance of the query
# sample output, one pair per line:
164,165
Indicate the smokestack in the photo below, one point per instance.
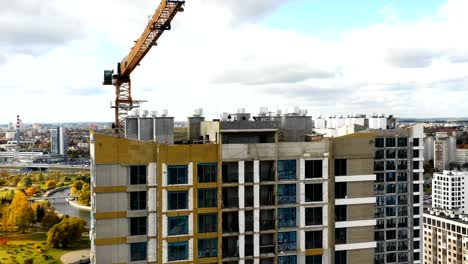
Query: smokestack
18,121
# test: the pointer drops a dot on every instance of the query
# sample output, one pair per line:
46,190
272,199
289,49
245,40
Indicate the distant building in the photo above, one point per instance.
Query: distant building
462,156
444,150
448,191
445,237
58,141
428,148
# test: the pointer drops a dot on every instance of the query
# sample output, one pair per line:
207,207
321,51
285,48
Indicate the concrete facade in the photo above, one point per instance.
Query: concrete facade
278,202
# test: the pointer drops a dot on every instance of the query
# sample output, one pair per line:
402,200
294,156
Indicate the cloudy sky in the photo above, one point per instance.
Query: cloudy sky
408,58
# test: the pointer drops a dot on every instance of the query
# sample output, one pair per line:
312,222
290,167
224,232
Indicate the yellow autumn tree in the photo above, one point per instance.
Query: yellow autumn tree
5,218
21,213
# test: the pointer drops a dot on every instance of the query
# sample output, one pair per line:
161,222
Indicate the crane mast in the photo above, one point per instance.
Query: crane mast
159,22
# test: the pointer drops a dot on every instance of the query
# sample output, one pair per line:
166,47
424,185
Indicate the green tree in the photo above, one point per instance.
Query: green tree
65,233
27,182
50,218
85,195
454,165
21,212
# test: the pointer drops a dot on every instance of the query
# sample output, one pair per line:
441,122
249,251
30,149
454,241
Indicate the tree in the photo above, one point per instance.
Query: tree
85,195
50,218
454,165
50,184
65,233
27,182
21,213
31,191
4,174
5,220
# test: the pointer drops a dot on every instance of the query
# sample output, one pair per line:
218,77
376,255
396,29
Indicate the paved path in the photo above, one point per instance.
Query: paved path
76,256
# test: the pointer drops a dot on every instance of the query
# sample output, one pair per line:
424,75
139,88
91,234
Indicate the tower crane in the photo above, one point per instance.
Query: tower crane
159,22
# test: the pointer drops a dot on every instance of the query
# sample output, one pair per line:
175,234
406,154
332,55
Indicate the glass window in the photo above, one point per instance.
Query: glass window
286,217
138,226
341,257
379,165
286,241
207,223
138,201
390,165
177,200
138,251
314,216
390,142
207,248
341,190
177,225
314,259
402,153
416,142
287,259
313,169
286,193
402,142
402,164
379,154
313,239
286,169
177,251
340,236
416,153
207,198
177,174
390,154
340,213
313,192
391,200
390,176
341,167
267,170
207,172
137,175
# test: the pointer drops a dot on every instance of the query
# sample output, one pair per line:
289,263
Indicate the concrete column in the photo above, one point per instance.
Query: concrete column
241,247
241,172
152,174
152,250
301,169
164,174
152,224
325,167
190,173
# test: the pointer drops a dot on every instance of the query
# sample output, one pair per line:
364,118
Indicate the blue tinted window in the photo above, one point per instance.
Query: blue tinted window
138,251
177,174
177,251
286,217
287,241
207,248
286,193
177,225
287,259
286,169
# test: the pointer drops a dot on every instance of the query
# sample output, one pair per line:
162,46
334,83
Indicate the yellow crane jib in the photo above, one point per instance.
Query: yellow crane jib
159,22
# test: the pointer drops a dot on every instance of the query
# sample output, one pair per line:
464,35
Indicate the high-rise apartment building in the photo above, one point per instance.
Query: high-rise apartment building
445,237
398,188
58,141
448,191
243,196
399,192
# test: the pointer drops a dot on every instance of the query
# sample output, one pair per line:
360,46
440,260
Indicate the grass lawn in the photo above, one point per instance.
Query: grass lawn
33,246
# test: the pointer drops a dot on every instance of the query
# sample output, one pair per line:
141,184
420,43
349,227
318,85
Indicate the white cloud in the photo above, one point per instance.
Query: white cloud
209,61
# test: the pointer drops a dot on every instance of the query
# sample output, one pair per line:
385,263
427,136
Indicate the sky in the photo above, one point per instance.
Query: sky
406,58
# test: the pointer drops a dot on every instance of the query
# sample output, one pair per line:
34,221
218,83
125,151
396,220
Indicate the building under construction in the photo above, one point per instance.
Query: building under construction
245,190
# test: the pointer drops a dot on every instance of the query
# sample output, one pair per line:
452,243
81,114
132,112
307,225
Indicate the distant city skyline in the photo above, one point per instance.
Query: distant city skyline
407,58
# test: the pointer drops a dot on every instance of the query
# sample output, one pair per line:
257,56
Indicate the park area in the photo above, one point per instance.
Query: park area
33,231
